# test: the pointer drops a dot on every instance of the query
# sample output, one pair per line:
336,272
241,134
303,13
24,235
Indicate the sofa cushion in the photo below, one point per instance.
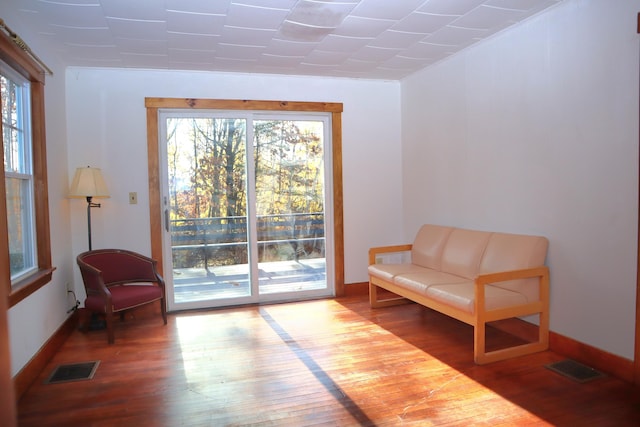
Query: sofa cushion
462,252
462,296
428,244
420,281
514,252
389,271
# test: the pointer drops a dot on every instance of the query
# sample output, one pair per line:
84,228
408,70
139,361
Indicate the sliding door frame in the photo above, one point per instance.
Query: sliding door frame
153,162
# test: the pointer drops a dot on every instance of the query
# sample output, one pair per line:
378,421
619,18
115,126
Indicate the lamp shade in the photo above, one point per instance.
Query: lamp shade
88,182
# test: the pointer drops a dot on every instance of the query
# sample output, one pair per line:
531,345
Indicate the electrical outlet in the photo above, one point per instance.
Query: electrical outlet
133,198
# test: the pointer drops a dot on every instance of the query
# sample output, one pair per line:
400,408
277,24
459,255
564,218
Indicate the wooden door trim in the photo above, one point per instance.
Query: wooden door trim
153,162
636,356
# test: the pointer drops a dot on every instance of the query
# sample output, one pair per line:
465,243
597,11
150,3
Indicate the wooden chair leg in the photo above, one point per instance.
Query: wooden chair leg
109,320
163,310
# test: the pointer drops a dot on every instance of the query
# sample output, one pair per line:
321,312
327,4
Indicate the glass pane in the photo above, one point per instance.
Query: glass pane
208,208
15,154
289,170
21,228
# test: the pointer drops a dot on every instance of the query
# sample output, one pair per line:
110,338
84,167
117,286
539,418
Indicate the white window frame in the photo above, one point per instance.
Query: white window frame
250,116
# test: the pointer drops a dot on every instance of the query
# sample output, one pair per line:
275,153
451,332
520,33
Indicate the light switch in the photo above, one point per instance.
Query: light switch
133,198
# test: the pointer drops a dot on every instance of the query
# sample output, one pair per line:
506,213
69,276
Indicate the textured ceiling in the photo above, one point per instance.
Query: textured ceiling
376,39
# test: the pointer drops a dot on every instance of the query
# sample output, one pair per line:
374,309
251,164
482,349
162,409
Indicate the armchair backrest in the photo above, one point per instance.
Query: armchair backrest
116,266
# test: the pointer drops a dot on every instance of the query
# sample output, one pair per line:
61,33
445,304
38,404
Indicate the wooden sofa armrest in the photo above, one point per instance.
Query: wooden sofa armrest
503,276
387,249
540,307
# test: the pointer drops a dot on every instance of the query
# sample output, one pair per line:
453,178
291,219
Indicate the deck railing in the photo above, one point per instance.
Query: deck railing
223,240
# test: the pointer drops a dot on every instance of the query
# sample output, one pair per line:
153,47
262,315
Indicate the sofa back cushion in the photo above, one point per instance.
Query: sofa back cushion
462,252
514,252
428,245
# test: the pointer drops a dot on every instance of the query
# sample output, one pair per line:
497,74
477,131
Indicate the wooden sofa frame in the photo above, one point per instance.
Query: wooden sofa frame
481,316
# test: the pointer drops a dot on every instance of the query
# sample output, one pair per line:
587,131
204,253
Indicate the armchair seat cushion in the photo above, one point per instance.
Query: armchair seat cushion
125,296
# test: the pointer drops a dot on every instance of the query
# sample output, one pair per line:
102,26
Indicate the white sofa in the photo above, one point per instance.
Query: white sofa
473,276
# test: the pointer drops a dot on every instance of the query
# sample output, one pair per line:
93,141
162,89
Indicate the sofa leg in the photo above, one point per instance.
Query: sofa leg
479,343
373,295
481,356
375,302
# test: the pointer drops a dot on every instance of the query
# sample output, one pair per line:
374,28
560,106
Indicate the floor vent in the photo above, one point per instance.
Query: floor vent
73,372
575,370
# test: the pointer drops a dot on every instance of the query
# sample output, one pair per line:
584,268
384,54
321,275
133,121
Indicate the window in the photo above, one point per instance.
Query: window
25,252
16,136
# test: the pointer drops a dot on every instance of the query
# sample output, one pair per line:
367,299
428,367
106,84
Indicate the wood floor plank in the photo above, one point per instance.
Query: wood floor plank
317,363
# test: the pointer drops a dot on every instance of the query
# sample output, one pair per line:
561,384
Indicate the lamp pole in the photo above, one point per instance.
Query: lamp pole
90,205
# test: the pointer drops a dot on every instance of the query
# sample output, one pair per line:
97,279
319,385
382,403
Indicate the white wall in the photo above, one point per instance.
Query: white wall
536,131
107,128
36,318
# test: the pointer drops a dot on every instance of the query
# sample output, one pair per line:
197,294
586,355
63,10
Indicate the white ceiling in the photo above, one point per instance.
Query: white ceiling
376,39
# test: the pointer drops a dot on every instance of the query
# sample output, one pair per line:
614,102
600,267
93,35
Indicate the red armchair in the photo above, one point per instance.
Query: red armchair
117,280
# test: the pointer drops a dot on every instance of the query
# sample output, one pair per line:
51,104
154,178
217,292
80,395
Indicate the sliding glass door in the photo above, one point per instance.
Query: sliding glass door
244,200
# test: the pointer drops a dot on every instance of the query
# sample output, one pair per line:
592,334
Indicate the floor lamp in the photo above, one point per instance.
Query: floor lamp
88,183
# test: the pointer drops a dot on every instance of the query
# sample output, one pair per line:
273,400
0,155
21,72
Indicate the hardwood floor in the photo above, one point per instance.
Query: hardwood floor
324,362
